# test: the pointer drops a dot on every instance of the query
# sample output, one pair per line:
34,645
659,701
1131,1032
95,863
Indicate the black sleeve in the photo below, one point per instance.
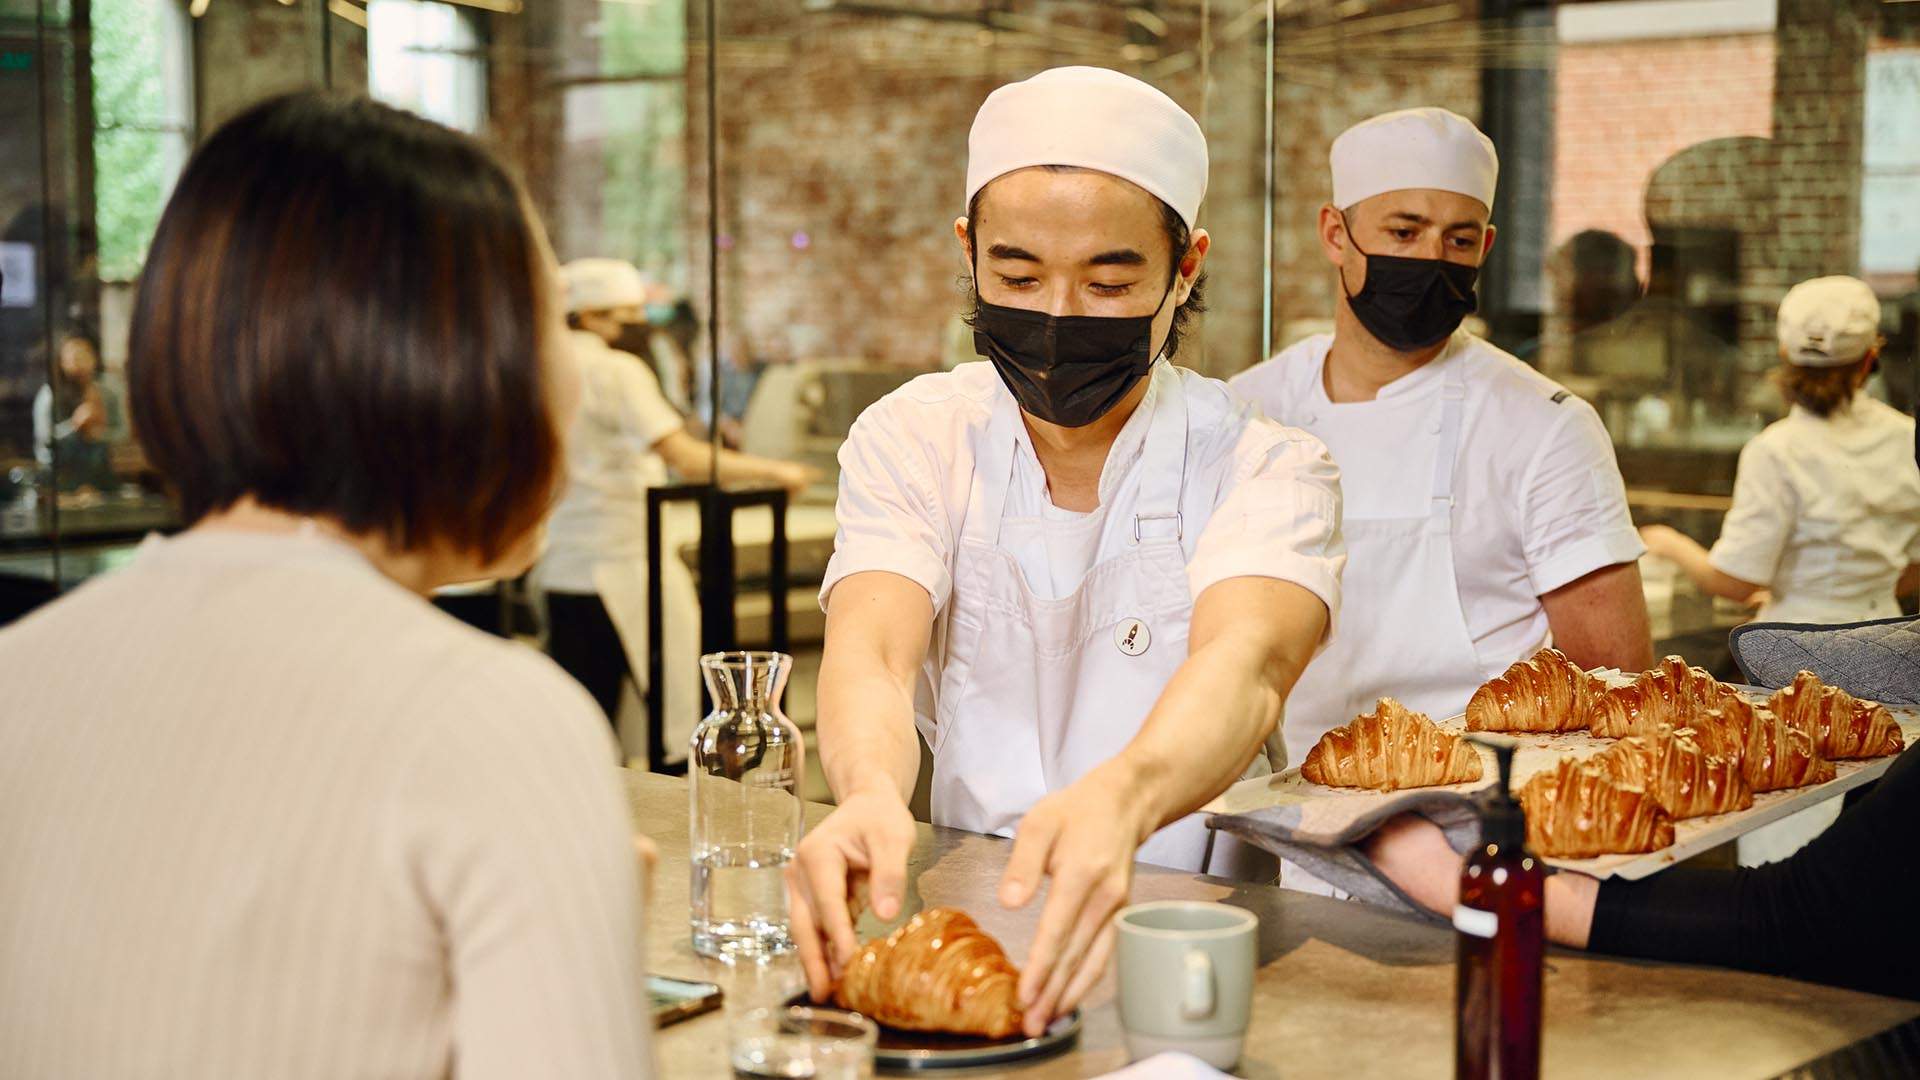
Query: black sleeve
1837,912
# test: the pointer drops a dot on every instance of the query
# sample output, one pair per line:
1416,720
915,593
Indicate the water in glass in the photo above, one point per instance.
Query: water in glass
744,769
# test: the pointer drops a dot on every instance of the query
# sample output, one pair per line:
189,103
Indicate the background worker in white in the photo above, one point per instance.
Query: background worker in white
1825,522
1484,513
1826,502
622,443
1089,576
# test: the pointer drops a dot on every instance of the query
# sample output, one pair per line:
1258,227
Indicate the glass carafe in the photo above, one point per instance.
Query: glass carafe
743,776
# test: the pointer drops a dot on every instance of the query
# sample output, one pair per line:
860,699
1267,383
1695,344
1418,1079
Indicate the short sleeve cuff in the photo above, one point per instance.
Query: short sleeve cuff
1583,557
1321,577
1743,563
919,567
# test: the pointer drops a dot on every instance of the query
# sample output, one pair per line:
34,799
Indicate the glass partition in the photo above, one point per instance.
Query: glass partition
1669,169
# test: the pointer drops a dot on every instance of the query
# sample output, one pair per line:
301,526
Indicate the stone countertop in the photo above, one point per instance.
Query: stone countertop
1343,990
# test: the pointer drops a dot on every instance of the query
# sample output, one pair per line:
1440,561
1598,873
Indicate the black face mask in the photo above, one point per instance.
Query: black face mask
1068,370
1410,304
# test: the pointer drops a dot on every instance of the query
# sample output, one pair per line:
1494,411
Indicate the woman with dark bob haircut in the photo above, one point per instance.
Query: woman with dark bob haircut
286,819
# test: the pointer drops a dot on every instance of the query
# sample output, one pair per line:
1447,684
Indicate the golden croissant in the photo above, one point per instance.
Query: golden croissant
1842,725
1577,811
939,972
1783,755
1683,777
1671,695
1726,729
1547,692
1388,749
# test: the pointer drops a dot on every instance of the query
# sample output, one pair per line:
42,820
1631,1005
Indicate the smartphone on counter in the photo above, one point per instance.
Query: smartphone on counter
675,1000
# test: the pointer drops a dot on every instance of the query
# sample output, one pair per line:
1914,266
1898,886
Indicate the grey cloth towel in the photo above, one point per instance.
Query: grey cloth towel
1323,836
1879,661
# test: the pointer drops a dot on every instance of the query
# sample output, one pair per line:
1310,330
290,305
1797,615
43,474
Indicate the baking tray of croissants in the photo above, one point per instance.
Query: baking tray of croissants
1623,774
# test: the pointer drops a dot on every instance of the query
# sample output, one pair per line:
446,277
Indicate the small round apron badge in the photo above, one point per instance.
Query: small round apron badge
1132,637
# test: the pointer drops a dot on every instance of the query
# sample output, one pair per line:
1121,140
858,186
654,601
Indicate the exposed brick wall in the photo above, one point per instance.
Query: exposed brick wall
1309,114
244,52
843,166
851,132
1819,122
1623,108
1759,134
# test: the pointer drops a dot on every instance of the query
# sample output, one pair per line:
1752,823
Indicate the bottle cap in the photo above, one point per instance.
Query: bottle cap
1503,821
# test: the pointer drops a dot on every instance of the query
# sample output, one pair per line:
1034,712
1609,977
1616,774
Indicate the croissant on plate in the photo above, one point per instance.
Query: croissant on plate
1671,695
1546,692
1683,777
1578,811
1388,749
1782,754
939,972
1843,726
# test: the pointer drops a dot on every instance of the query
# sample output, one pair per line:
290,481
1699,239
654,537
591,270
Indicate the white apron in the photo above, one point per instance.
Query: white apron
1035,692
1401,631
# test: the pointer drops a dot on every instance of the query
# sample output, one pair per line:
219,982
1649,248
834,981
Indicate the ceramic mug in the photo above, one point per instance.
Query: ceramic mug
1186,978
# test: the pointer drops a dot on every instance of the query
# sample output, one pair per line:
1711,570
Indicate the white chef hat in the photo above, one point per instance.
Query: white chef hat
1413,148
600,284
1828,322
1091,118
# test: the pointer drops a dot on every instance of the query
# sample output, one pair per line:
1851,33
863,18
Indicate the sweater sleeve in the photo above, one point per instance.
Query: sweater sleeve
1832,913
515,830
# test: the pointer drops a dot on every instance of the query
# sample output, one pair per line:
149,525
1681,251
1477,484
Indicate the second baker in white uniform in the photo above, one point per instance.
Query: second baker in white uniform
1089,576
1484,512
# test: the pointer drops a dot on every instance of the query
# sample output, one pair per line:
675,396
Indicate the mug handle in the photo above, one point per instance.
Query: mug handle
1196,993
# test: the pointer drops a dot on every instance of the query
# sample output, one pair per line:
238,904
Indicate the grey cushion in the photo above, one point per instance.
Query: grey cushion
1879,661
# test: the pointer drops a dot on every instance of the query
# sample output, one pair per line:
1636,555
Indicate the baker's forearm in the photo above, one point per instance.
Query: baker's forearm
866,732
1713,581
878,626
1212,718
739,467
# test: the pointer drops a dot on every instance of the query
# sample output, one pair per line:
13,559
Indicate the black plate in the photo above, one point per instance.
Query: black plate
923,1051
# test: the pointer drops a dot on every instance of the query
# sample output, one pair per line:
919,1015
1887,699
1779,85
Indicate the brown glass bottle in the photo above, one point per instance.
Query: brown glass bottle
1501,926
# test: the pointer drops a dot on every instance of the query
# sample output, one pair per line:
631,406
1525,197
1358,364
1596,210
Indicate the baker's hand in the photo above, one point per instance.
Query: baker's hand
1083,839
862,845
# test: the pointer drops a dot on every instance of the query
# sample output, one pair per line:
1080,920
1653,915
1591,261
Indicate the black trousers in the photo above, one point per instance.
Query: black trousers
582,639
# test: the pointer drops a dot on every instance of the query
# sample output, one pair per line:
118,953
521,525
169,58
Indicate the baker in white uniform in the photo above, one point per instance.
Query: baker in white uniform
1826,503
1484,514
1825,522
1089,576
622,443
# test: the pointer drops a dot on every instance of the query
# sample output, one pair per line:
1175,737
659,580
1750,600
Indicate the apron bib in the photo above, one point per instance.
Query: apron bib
1401,632
1035,692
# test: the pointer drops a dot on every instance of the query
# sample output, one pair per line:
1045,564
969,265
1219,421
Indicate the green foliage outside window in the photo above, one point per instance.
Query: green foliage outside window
136,144
643,200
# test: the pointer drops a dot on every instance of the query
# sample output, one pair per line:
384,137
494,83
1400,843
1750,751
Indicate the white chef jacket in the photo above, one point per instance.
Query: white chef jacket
1538,497
610,465
1270,496
1826,514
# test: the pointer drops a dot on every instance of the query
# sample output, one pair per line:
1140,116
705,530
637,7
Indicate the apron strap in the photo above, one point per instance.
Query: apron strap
1453,400
992,473
1163,460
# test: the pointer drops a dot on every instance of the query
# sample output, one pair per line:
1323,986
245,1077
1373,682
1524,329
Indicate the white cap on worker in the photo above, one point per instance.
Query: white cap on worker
1091,118
601,284
1828,322
1413,148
